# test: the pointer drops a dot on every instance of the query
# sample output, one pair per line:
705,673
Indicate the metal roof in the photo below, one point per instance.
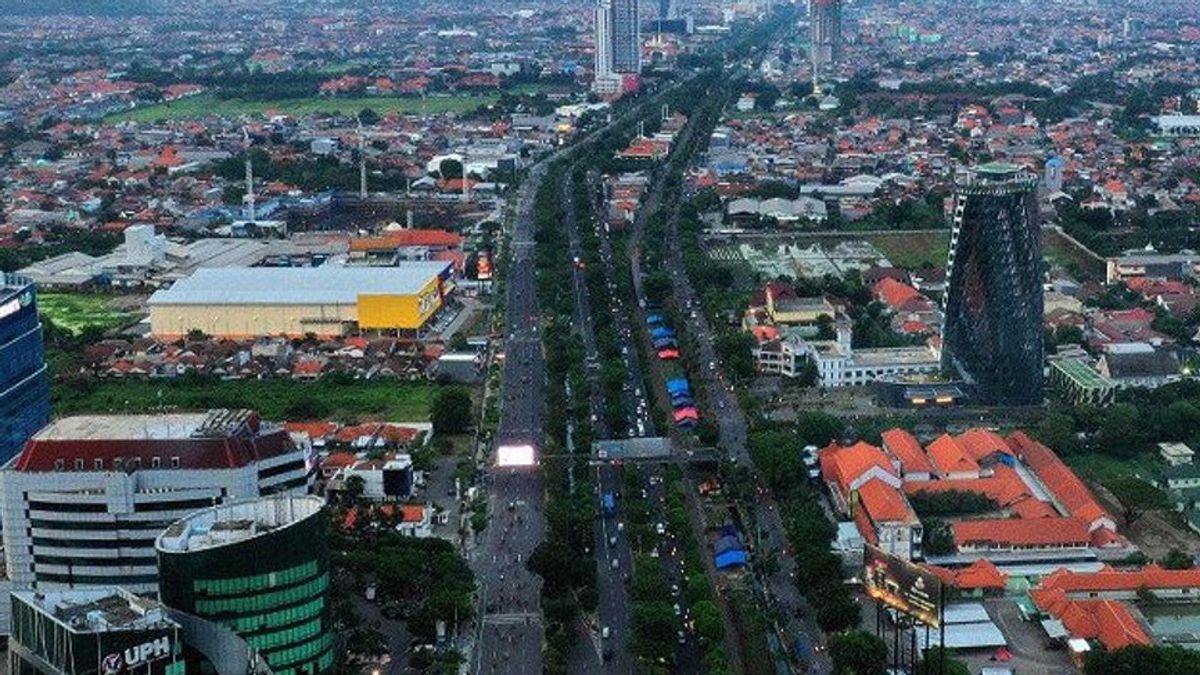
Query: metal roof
328,284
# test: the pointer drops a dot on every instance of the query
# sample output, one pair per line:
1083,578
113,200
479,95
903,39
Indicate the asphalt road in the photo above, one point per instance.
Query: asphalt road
510,628
779,587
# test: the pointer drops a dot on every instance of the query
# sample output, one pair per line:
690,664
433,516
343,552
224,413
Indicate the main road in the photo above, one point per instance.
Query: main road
510,625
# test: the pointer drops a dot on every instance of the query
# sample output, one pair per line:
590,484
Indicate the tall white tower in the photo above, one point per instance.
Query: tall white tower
604,54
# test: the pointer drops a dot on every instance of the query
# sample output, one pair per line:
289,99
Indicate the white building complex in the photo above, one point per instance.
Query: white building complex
838,363
84,501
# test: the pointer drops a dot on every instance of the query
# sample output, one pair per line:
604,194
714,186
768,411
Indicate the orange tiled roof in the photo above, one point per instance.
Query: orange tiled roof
981,574
981,443
904,447
844,465
399,238
1108,621
1151,576
1021,532
883,503
1060,480
895,293
949,457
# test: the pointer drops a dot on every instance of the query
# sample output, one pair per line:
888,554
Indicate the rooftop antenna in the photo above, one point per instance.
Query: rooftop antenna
249,198
362,163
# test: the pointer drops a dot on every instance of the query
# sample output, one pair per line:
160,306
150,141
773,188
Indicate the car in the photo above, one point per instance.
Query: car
612,541
616,563
605,632
658,527
678,610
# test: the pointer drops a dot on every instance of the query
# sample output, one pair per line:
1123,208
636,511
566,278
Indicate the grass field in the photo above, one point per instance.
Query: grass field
75,312
275,399
911,250
1104,468
208,104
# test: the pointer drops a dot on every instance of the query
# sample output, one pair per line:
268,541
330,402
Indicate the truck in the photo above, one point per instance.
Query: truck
608,503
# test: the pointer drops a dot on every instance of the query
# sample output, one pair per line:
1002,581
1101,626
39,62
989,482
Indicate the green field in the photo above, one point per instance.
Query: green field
912,250
205,105
1100,468
351,401
76,312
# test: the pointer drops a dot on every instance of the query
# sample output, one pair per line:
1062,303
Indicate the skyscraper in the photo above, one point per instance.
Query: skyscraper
604,27
992,334
825,18
24,381
626,37
261,568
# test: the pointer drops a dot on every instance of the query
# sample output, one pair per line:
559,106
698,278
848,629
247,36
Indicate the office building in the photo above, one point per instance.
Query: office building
106,631
82,503
626,37
330,300
24,381
992,332
604,54
825,18
260,568
92,632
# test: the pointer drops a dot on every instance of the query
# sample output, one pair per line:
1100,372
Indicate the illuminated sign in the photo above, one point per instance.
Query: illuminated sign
11,307
903,586
515,455
136,656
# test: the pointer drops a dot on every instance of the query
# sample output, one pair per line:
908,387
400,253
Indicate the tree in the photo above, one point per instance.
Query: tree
1142,660
932,663
450,168
368,116
858,653
1178,560
450,411
355,485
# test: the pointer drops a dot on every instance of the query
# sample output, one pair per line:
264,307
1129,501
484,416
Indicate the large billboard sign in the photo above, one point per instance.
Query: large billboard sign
515,456
903,586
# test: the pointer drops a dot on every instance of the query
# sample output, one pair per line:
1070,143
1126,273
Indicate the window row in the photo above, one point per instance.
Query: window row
239,585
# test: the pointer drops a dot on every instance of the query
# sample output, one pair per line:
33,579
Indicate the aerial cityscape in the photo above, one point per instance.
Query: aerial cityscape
356,337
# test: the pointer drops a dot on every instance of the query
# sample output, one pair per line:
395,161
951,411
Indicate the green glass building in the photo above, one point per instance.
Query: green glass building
261,568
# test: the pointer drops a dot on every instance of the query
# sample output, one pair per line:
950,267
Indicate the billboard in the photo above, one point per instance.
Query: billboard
902,585
515,455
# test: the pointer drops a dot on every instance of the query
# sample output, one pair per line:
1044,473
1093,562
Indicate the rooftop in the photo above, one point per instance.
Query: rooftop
175,426
1082,374
98,610
236,522
328,284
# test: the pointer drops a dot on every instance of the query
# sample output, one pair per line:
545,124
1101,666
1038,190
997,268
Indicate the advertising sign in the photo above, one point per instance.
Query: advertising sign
903,586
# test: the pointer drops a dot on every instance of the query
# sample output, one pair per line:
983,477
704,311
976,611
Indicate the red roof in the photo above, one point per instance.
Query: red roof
221,452
1108,621
845,465
339,460
1004,487
315,430
904,447
883,503
894,293
400,238
981,574
981,443
1020,532
949,456
1152,577
1060,480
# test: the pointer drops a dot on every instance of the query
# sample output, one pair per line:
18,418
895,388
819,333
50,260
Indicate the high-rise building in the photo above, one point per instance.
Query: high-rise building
992,333
260,568
626,37
24,381
604,54
92,632
82,503
825,19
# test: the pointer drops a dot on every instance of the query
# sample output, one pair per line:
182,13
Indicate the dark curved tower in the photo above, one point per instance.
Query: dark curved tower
992,333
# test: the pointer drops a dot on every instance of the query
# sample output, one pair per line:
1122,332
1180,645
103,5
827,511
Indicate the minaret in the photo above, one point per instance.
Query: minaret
362,164
248,199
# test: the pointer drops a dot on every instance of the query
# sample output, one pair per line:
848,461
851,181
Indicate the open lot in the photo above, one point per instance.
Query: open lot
77,312
208,104
354,401
912,250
